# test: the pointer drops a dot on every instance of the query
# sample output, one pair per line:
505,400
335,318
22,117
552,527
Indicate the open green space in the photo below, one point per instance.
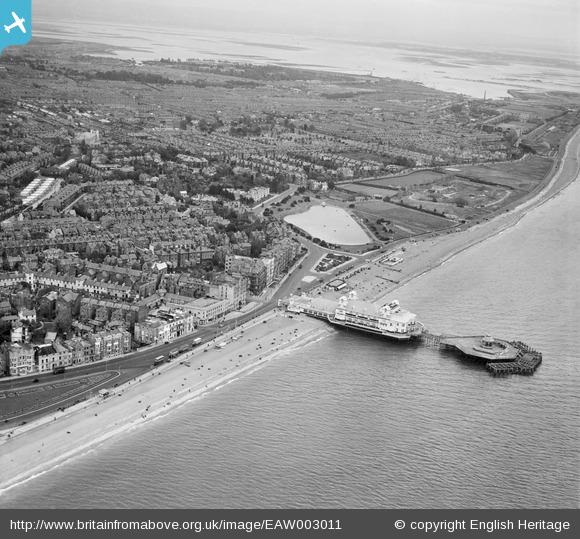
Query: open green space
368,190
524,174
415,178
459,198
390,221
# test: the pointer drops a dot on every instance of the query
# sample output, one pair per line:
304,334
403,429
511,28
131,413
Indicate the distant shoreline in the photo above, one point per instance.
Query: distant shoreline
442,248
467,72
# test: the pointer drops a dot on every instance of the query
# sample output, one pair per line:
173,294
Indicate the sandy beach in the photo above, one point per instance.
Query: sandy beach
376,281
430,253
47,442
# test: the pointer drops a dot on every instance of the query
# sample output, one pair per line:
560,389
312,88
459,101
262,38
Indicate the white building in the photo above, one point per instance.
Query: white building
49,356
314,185
165,326
91,138
17,332
20,359
207,310
271,266
27,315
233,289
258,193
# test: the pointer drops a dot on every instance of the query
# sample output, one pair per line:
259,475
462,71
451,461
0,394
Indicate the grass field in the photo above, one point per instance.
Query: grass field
415,178
476,198
403,222
368,190
522,175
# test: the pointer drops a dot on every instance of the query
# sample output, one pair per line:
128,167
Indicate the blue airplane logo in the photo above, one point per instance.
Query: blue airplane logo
15,22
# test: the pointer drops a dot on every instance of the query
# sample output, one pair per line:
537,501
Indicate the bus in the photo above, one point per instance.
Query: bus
158,361
174,353
195,342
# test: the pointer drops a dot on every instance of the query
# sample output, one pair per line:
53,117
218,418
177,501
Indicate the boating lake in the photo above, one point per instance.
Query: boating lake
331,224
354,421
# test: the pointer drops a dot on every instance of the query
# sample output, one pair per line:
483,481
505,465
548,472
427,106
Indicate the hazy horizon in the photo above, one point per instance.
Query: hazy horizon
510,25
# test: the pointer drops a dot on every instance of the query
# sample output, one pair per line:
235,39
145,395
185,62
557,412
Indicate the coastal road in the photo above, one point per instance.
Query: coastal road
142,359
135,364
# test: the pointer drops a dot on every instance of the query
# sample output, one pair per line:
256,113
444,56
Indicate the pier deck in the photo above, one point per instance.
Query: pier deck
500,357
482,348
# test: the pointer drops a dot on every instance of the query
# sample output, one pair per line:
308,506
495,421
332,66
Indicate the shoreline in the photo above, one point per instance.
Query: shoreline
425,256
451,245
151,397
444,82
53,428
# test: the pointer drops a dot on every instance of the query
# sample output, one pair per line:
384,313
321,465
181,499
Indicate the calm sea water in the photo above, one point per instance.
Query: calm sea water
462,71
359,422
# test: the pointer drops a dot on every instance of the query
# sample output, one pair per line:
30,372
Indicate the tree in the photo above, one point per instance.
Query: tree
63,320
256,248
84,147
168,154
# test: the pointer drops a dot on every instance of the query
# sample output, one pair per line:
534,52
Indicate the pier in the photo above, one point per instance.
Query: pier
526,363
500,357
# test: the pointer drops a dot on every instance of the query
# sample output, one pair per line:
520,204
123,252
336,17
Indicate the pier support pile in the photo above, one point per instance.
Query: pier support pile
526,363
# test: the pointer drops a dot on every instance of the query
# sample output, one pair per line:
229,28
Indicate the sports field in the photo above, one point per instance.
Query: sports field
415,178
401,221
522,175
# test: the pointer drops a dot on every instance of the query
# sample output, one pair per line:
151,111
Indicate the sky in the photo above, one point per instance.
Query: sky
506,25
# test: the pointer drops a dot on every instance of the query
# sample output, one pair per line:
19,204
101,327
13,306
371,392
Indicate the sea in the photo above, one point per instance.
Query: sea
476,73
359,422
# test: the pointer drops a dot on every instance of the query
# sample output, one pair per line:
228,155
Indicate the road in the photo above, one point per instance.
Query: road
133,365
259,208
